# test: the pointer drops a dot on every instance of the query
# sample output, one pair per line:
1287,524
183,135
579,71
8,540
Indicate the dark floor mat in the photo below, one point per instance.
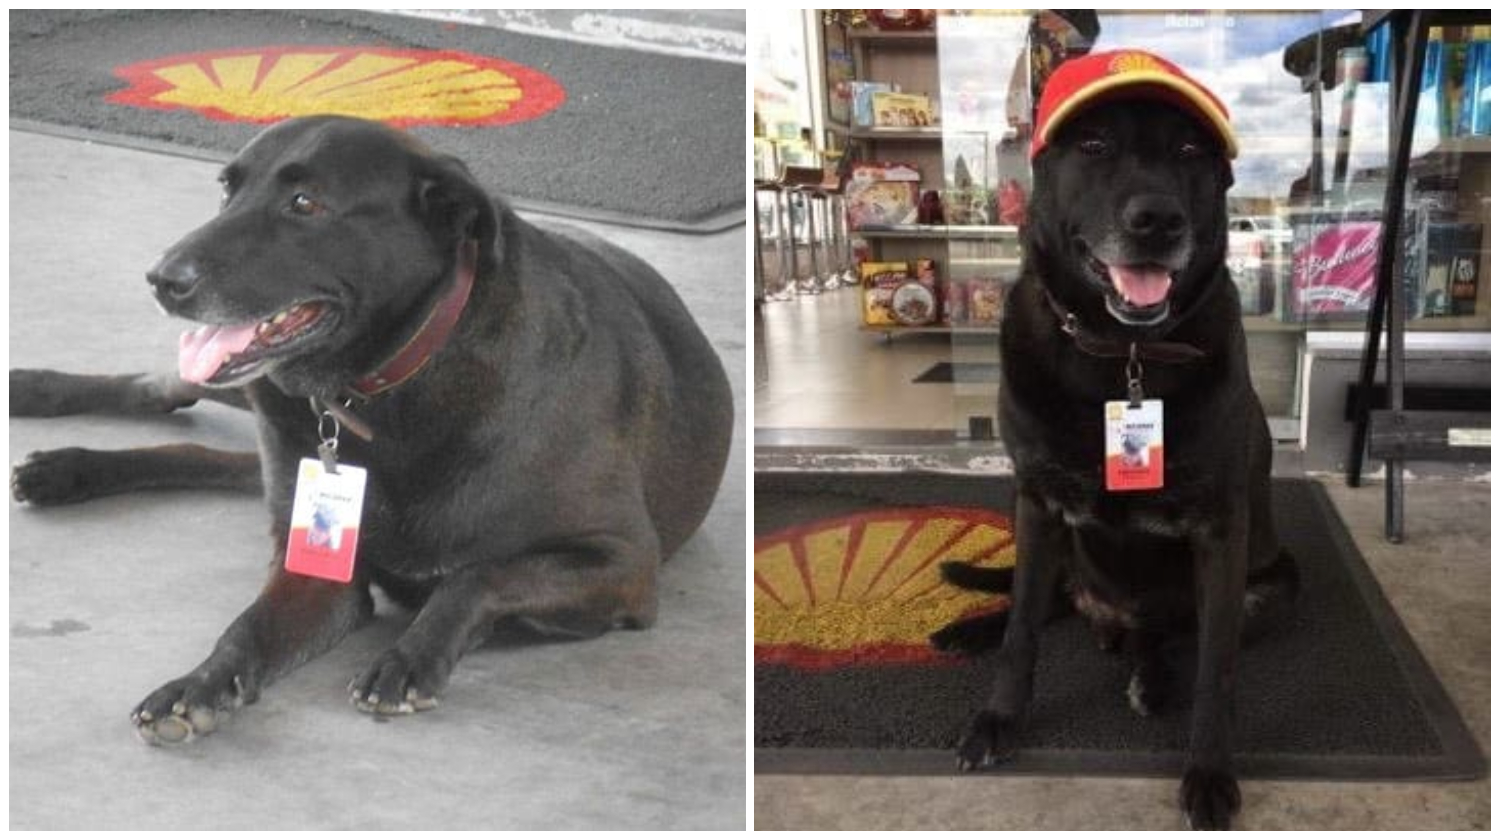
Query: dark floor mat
637,137
976,373
1341,692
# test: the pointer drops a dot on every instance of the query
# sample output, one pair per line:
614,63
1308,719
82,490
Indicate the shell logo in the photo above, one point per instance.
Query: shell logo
866,588
1135,62
400,87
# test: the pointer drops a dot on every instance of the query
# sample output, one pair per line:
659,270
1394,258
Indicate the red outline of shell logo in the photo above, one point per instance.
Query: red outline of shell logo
400,87
866,588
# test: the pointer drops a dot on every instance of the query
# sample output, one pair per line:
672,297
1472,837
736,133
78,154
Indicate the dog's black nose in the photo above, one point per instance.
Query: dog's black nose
174,277
1155,215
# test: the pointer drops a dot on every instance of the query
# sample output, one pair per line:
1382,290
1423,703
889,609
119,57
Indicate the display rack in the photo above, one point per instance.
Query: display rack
910,59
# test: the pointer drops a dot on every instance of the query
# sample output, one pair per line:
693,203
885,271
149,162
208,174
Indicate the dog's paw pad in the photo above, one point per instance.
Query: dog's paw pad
185,709
395,684
1208,798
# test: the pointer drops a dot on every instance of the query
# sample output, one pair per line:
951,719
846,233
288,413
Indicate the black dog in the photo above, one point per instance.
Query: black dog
541,420
1124,296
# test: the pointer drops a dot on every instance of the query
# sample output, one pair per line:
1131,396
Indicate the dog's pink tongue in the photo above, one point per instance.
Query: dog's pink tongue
1141,285
201,352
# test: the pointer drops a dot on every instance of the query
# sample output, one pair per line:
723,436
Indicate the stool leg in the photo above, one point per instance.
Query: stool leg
845,246
815,236
830,273
782,287
796,219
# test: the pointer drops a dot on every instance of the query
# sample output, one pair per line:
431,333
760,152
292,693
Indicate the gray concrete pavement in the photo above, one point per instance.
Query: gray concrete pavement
111,598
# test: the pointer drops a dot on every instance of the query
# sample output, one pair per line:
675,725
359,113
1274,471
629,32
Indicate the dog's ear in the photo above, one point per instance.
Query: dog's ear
453,205
1228,173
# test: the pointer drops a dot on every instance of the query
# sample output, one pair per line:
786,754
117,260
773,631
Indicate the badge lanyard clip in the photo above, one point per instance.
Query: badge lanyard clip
1133,372
328,449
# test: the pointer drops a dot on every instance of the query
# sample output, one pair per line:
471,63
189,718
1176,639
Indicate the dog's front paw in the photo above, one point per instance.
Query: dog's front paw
398,684
54,477
1208,798
990,741
189,707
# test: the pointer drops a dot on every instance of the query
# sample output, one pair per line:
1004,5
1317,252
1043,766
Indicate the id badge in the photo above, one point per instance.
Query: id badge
1134,446
325,521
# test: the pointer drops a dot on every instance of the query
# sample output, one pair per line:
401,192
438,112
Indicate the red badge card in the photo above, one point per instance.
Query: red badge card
325,521
1134,446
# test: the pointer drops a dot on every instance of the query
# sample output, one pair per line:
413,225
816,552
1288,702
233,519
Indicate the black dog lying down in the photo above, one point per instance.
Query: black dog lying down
540,419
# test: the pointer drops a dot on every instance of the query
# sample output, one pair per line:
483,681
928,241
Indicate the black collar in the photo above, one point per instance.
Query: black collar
1169,352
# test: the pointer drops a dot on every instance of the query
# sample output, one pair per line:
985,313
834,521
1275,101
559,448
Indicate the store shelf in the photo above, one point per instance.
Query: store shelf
933,134
894,38
984,262
897,329
1465,145
939,232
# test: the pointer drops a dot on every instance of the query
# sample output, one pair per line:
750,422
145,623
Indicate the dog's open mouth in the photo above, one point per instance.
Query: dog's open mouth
230,354
1137,294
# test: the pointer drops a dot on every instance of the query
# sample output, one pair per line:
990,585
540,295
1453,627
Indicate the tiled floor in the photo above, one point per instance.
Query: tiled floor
815,368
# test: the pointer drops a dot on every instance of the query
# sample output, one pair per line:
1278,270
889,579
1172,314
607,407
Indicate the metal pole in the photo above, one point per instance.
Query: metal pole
1393,256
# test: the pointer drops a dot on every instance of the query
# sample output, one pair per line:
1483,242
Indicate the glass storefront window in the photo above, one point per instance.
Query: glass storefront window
929,118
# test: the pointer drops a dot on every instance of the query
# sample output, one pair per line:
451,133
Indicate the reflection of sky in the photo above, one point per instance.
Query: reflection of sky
1236,55
1239,57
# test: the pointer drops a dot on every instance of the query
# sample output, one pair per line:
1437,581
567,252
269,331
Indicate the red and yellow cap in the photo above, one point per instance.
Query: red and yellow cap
1090,78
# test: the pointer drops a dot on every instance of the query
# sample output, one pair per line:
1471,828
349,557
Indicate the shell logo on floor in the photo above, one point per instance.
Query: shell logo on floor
398,86
866,588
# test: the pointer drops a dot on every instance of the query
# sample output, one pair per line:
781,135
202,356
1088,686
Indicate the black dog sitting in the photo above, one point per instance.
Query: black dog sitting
1124,316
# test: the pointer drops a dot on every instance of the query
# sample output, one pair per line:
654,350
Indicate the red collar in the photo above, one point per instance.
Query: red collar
430,336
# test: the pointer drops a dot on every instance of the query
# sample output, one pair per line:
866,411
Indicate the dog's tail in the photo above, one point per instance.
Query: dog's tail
975,634
978,578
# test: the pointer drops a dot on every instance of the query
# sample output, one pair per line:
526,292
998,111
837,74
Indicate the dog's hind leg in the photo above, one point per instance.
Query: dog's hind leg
65,476
1270,596
1150,676
51,393
574,591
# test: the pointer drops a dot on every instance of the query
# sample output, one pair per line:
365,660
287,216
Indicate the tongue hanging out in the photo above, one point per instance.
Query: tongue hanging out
204,352
1141,286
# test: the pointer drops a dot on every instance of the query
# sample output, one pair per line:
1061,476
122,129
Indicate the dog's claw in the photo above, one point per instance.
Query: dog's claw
394,685
991,740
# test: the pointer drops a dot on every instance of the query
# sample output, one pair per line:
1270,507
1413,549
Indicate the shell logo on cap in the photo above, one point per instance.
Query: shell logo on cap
1135,62
401,87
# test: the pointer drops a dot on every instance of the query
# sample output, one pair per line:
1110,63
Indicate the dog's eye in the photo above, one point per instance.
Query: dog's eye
1094,147
1190,149
305,205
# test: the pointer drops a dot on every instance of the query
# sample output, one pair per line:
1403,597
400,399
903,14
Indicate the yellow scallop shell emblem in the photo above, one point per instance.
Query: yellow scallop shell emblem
1132,62
399,87
867,587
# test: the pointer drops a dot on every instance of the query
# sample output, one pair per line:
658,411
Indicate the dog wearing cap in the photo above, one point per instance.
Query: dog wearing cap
1125,324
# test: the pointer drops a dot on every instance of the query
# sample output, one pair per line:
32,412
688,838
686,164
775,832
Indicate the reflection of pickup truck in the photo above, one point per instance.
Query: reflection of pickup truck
1271,228
1256,245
